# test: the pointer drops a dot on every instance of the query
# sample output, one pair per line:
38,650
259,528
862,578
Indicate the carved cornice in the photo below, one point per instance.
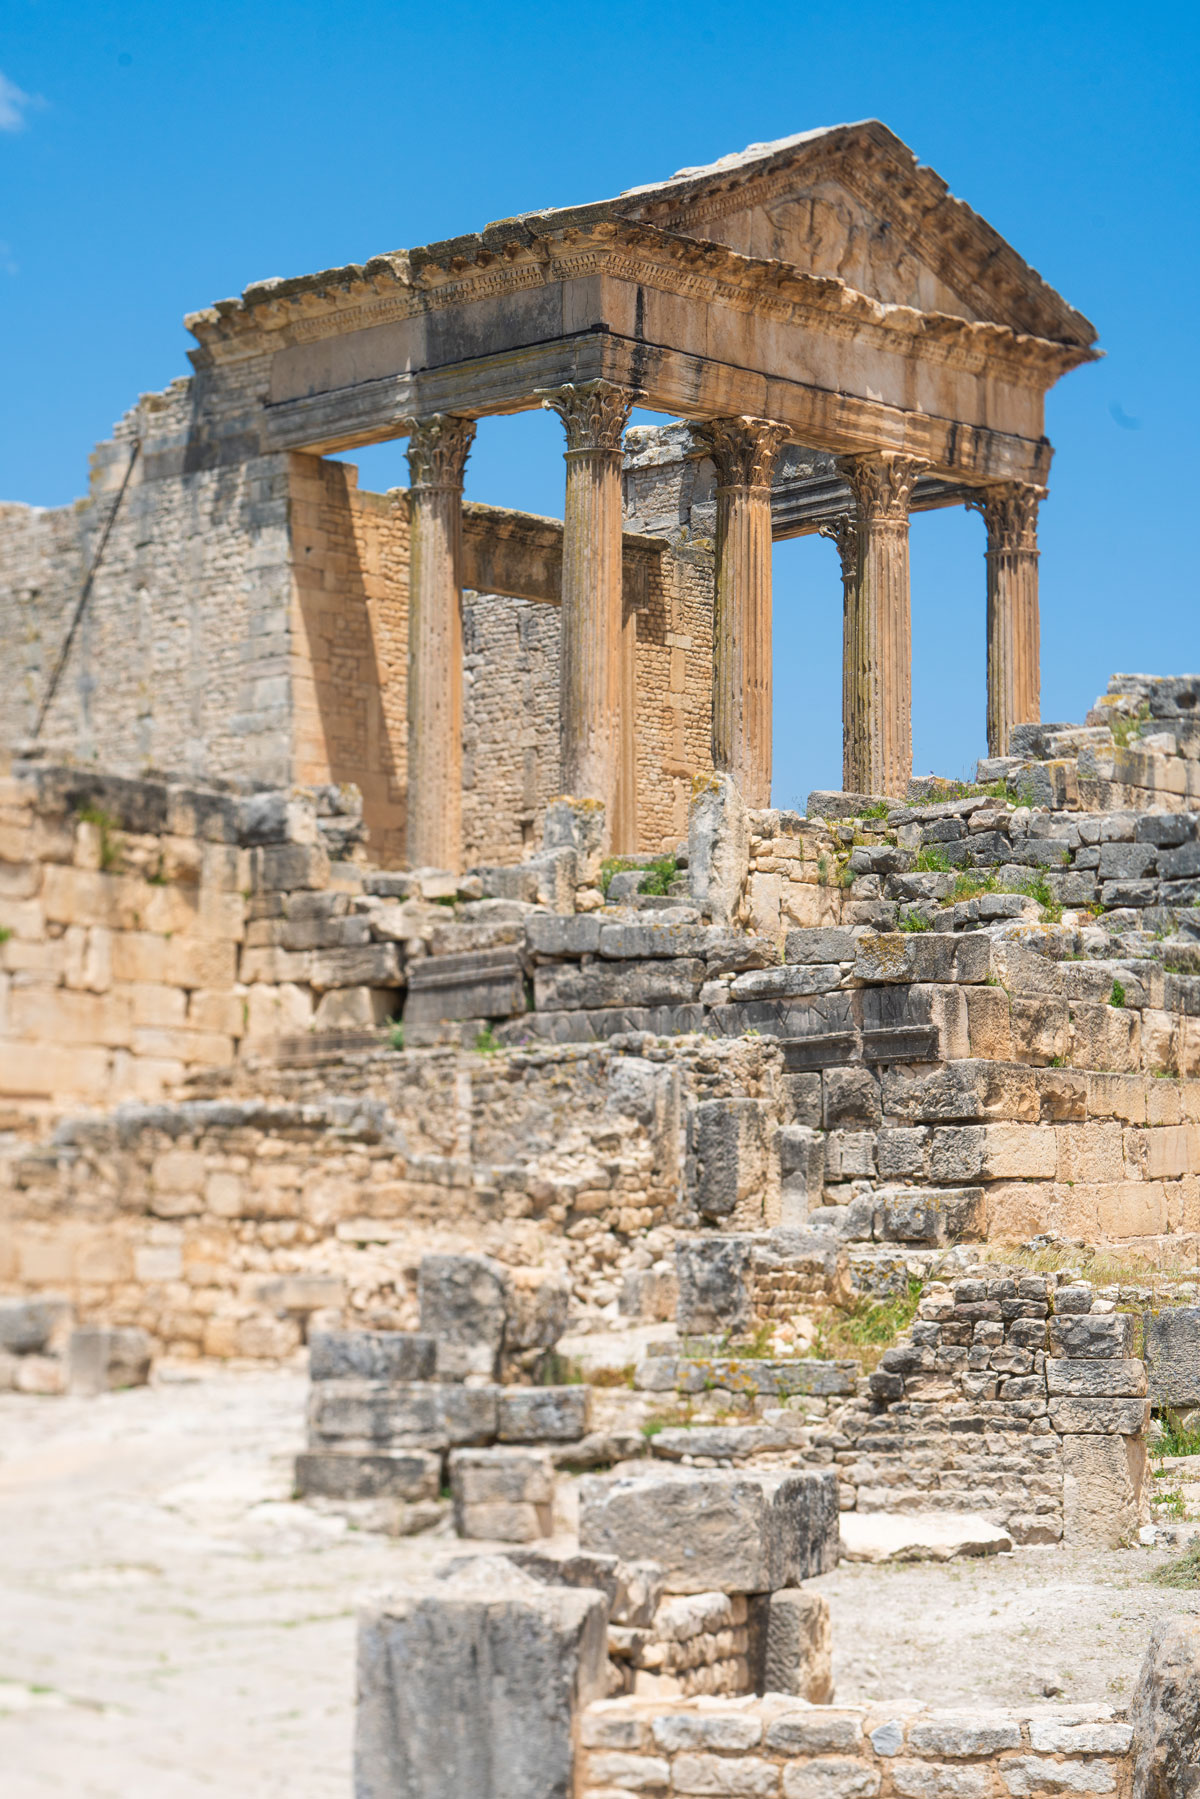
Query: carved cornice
1010,512
844,532
594,414
389,289
882,485
744,449
438,447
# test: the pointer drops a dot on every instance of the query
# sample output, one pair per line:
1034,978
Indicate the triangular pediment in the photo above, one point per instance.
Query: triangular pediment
853,202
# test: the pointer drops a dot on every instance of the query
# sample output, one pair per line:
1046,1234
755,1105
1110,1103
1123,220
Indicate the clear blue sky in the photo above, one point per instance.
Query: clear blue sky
156,157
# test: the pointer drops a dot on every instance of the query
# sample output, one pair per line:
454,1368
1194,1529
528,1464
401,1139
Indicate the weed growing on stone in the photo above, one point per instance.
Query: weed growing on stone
5,933
659,875
968,886
868,1328
487,1042
1117,996
913,921
880,810
1127,730
396,1036
1173,1437
106,826
932,859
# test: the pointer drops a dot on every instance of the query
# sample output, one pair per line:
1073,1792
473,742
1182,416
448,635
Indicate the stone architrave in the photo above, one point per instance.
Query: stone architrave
596,679
877,682
744,451
1014,685
438,447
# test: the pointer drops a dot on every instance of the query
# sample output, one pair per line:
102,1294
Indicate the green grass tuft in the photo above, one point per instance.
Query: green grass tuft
913,921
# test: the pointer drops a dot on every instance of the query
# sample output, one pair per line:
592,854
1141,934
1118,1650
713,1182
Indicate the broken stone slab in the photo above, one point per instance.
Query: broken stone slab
473,1685
464,1306
371,1355
716,1531
780,1379
932,1215
561,986
919,1537
823,803
576,825
413,1474
633,1589
612,1021
501,1494
733,1155
1106,1490
420,1415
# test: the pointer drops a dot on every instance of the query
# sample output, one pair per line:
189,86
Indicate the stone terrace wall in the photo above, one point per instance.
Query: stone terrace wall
220,1225
772,1748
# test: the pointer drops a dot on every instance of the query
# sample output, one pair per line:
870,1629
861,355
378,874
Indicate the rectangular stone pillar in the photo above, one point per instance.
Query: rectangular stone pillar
437,454
877,680
744,451
1014,682
591,680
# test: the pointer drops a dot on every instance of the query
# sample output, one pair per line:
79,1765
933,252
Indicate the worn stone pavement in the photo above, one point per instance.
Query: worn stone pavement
174,1626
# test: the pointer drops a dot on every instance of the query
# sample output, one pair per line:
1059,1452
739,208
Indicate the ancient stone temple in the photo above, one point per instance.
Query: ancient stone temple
844,342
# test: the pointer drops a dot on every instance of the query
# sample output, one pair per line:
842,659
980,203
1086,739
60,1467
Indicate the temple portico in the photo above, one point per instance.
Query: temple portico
838,342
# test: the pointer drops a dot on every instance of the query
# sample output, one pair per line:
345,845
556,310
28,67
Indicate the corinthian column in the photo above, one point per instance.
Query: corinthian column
437,455
1014,682
877,680
844,532
744,451
592,675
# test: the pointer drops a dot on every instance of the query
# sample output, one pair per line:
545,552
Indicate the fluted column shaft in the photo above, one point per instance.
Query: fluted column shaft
1014,680
595,674
877,680
437,453
744,451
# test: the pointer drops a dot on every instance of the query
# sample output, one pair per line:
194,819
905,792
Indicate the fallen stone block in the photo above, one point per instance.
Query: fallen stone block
469,1688
713,1271
1106,1490
919,1537
732,1532
394,1474
102,1360
543,1414
30,1326
1172,1356
488,984
371,1355
504,1495
633,1589
464,1305
1165,1713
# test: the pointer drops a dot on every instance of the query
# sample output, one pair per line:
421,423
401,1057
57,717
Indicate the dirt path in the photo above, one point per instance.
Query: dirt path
176,1627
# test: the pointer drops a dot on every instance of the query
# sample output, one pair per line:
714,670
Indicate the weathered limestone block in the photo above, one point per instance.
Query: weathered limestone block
1093,1335
101,1359
417,1415
564,987
543,1414
413,1474
1172,1356
828,943
371,1355
795,1644
464,1304
1113,1378
1108,1417
31,1326
505,1495
577,825
1165,1714
732,1532
1106,1493
713,1272
488,984
802,1172
930,1214
733,1167
718,849
472,1685
633,1589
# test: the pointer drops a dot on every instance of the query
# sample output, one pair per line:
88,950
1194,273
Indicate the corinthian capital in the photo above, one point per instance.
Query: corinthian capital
844,532
744,449
1010,512
594,413
438,446
882,484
